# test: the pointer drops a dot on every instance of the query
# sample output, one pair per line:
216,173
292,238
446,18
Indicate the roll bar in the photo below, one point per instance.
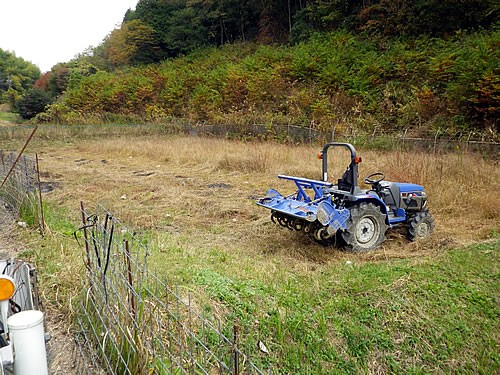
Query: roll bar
352,169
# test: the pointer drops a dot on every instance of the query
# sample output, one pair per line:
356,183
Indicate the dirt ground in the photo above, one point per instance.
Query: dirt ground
205,189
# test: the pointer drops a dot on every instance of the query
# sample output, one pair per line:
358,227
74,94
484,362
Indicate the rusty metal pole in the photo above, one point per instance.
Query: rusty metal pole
85,235
235,350
42,220
19,156
130,285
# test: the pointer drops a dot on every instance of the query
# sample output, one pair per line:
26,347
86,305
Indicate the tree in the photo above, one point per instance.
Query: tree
16,76
230,20
277,19
32,103
432,17
132,44
185,31
185,25
43,83
143,41
59,79
116,51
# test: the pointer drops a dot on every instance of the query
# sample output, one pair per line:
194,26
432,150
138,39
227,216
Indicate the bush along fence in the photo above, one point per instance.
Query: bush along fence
20,193
131,322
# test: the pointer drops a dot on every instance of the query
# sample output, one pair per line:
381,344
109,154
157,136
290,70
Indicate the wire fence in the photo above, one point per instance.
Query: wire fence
20,190
132,322
411,138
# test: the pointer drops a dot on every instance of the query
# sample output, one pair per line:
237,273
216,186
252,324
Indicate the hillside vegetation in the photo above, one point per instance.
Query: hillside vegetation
333,65
336,80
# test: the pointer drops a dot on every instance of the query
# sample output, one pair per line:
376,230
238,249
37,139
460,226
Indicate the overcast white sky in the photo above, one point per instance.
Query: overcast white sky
47,32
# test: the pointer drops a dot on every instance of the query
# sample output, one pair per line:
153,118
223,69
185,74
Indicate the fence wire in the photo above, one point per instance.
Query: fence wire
412,138
409,138
132,322
21,181
19,195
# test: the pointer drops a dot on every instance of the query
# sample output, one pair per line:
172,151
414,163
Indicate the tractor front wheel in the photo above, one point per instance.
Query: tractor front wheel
366,228
420,226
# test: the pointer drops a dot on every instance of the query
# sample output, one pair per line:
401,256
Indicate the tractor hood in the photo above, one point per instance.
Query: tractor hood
408,188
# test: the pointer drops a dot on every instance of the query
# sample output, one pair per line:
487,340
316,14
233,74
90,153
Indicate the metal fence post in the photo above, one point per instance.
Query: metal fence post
130,285
19,156
42,220
236,355
84,226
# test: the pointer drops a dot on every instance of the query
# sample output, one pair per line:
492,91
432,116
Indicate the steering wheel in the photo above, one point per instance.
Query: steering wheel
374,178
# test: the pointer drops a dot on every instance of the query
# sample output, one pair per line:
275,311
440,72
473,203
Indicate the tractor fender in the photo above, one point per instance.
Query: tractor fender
372,199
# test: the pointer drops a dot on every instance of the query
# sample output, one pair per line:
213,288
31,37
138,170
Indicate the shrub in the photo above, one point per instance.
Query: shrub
32,103
336,80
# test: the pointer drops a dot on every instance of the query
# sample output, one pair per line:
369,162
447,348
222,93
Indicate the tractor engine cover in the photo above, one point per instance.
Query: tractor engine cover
412,197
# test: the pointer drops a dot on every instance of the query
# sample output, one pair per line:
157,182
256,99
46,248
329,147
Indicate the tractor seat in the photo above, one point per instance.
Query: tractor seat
345,183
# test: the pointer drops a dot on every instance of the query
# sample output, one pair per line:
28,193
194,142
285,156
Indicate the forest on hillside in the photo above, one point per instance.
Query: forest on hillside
381,64
17,76
174,27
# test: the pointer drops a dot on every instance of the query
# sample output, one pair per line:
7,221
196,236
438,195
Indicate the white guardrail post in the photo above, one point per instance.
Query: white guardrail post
28,338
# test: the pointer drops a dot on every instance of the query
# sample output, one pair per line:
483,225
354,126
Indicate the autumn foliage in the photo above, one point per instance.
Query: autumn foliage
334,81
334,65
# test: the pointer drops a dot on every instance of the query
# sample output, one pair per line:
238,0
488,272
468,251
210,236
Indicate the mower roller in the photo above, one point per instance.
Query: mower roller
343,213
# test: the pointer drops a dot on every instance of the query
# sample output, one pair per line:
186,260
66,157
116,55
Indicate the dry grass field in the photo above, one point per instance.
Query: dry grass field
405,307
201,191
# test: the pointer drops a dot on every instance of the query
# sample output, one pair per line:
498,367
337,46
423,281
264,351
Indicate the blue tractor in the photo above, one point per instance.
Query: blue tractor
342,213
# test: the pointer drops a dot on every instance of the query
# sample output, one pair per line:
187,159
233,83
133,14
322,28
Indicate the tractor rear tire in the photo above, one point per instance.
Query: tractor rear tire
366,228
420,226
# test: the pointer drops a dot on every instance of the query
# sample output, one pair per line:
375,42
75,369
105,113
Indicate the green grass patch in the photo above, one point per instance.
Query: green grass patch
29,209
9,117
438,316
57,257
435,315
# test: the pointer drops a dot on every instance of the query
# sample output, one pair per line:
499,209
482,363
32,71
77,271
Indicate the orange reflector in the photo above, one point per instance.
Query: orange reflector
358,159
320,155
7,287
